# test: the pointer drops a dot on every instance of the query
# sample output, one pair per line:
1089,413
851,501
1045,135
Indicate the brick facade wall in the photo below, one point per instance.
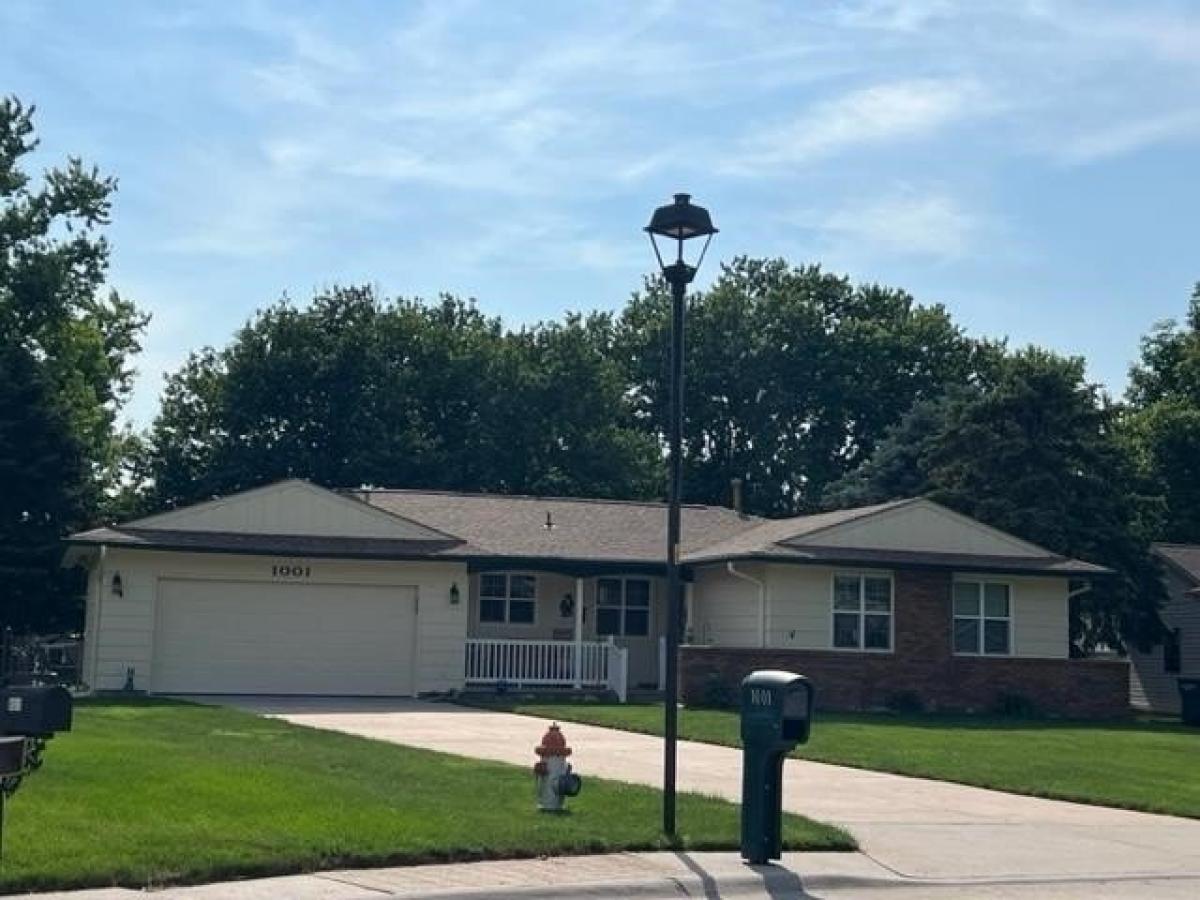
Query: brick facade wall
923,664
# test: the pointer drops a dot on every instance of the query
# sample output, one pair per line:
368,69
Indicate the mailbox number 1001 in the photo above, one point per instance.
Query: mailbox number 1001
290,571
761,697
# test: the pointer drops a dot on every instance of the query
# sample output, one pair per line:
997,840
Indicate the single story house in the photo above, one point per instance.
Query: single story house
1155,674
294,589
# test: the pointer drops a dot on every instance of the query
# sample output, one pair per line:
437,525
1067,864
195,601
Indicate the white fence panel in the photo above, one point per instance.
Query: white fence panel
536,663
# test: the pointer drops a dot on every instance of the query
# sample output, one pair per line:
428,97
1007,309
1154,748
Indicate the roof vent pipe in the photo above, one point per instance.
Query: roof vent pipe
735,491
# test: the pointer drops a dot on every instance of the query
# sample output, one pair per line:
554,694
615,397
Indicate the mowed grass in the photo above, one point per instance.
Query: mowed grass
156,792
1151,766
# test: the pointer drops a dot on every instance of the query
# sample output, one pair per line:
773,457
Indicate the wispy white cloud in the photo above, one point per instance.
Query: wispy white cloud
883,113
460,141
929,224
1123,137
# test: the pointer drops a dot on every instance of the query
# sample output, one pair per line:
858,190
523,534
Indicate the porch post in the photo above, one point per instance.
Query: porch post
578,633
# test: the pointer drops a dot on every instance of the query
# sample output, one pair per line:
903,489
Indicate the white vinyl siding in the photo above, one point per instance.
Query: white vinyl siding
726,608
798,607
922,525
1041,623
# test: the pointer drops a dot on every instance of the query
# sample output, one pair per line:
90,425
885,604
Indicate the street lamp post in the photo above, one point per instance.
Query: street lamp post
681,222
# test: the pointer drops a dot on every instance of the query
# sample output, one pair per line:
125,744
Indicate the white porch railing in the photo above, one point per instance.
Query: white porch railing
522,662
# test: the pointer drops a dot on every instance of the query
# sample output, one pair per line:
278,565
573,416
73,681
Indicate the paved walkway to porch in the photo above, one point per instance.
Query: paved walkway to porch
913,827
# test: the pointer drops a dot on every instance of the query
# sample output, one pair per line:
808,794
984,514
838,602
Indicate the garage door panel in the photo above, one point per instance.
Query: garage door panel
245,637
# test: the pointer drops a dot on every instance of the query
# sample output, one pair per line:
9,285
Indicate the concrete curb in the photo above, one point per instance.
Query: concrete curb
779,883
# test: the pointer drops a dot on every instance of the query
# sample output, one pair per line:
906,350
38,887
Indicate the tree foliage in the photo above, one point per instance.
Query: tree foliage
1034,454
356,389
43,471
69,341
792,376
1163,427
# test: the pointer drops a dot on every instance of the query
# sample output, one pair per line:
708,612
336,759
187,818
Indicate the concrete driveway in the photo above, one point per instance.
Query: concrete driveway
912,826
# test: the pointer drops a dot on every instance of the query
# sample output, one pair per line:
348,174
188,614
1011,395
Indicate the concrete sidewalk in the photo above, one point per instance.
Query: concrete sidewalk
913,828
650,876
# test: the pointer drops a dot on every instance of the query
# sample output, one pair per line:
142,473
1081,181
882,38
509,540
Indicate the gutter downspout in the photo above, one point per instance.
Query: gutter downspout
1082,589
762,600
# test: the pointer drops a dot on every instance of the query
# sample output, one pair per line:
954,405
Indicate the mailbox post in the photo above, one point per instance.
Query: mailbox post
29,716
776,716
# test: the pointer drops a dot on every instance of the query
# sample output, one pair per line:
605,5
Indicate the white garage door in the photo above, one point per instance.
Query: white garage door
229,637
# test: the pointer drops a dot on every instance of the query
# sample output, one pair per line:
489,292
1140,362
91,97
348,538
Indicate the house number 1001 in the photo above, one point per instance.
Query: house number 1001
290,571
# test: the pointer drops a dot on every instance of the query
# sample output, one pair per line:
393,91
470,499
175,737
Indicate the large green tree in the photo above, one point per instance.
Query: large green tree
1163,425
792,376
1033,453
72,339
357,389
44,476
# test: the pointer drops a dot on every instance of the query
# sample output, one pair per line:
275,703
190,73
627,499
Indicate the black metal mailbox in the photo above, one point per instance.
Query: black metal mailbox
39,711
777,712
12,756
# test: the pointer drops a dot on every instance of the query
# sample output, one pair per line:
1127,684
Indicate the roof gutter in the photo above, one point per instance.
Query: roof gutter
762,599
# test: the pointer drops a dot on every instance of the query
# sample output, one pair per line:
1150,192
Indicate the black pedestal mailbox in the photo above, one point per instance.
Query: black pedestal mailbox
29,716
35,711
776,716
12,757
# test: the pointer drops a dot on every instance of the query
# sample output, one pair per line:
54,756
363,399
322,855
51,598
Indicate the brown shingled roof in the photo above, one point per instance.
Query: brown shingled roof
556,531
582,529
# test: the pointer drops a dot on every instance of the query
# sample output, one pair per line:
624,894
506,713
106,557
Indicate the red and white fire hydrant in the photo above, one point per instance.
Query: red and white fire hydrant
552,773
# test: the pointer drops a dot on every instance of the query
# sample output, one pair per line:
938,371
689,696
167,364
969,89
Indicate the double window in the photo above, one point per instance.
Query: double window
982,618
862,612
622,607
507,598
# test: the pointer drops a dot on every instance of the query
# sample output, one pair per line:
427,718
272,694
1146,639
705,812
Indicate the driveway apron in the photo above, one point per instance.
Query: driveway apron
913,826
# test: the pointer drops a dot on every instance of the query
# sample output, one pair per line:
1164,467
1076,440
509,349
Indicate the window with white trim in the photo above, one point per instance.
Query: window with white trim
862,612
982,617
507,599
623,607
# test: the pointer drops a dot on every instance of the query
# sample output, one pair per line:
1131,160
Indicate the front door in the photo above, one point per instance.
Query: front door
625,612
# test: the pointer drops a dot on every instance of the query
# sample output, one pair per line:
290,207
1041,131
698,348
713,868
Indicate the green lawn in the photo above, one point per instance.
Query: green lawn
155,792
1139,765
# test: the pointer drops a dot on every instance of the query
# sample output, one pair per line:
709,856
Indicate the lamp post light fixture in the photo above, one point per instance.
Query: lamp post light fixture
681,222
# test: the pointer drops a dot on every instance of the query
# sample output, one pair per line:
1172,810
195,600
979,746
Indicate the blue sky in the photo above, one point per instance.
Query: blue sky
1029,164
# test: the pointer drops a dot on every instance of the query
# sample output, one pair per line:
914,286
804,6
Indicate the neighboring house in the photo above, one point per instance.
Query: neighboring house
1154,675
294,589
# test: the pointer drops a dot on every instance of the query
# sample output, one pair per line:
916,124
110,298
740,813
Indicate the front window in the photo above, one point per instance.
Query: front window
982,618
622,607
862,612
509,599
